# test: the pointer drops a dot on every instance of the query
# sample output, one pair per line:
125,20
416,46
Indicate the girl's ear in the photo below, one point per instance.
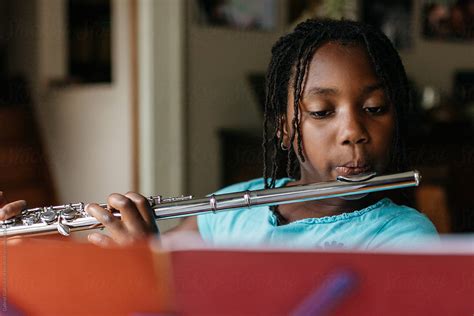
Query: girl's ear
283,134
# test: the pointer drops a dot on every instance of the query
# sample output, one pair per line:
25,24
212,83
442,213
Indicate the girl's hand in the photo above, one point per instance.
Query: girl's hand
8,210
137,220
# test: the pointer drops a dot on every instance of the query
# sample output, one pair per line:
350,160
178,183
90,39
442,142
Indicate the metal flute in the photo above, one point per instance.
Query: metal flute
72,217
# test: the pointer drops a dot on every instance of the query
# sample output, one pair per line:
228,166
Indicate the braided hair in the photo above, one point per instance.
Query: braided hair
291,56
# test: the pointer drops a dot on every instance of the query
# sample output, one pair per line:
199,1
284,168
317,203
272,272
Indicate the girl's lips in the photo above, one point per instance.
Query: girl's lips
349,171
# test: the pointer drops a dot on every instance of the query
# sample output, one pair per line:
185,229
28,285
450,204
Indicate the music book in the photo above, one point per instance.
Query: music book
64,278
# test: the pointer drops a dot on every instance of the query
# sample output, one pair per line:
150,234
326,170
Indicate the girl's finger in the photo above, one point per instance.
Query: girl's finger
131,216
12,209
145,210
101,240
113,224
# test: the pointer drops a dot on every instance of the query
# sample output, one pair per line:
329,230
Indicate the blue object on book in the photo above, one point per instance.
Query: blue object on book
331,293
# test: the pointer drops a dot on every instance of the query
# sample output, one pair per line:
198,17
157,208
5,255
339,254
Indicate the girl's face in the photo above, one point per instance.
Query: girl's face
347,122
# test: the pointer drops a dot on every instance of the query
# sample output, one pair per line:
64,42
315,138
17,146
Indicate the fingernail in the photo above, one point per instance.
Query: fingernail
2,213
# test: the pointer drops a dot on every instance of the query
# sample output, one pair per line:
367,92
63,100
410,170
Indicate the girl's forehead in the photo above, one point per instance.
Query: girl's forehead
338,62
339,55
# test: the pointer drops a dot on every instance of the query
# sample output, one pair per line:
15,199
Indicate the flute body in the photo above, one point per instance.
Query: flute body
67,218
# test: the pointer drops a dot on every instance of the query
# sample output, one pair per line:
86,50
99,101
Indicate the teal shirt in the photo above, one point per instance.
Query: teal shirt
383,224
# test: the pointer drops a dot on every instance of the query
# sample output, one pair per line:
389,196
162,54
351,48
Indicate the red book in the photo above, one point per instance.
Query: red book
217,282
71,278
62,278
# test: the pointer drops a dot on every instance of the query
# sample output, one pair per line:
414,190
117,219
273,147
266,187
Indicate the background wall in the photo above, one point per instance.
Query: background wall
218,61
433,63
86,128
192,81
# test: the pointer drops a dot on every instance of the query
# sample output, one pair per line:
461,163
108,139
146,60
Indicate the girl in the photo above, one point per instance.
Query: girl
337,95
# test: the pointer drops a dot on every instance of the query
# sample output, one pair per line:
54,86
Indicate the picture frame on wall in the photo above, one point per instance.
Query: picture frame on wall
448,20
300,10
89,40
238,14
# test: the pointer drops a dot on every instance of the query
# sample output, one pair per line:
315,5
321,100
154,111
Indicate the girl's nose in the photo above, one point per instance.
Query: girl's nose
353,131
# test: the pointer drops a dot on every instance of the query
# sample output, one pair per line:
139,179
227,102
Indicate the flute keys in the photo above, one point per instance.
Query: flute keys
7,222
175,199
29,220
154,200
48,216
69,214
63,229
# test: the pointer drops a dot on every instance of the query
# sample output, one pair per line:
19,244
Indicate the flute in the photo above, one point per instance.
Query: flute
67,218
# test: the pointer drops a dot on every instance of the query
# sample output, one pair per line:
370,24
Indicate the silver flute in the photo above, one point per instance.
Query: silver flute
72,217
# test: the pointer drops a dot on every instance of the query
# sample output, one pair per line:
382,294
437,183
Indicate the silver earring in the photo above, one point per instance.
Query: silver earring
284,147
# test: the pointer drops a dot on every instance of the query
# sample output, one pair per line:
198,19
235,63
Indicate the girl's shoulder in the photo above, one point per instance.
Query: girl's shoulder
401,225
392,213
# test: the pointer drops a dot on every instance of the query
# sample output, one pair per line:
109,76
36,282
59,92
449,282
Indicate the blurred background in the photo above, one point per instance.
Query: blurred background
166,96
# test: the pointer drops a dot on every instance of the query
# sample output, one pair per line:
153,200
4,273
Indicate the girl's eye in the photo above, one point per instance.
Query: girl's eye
320,114
375,109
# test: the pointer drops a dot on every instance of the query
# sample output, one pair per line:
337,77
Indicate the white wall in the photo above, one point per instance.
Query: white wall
218,59
86,128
